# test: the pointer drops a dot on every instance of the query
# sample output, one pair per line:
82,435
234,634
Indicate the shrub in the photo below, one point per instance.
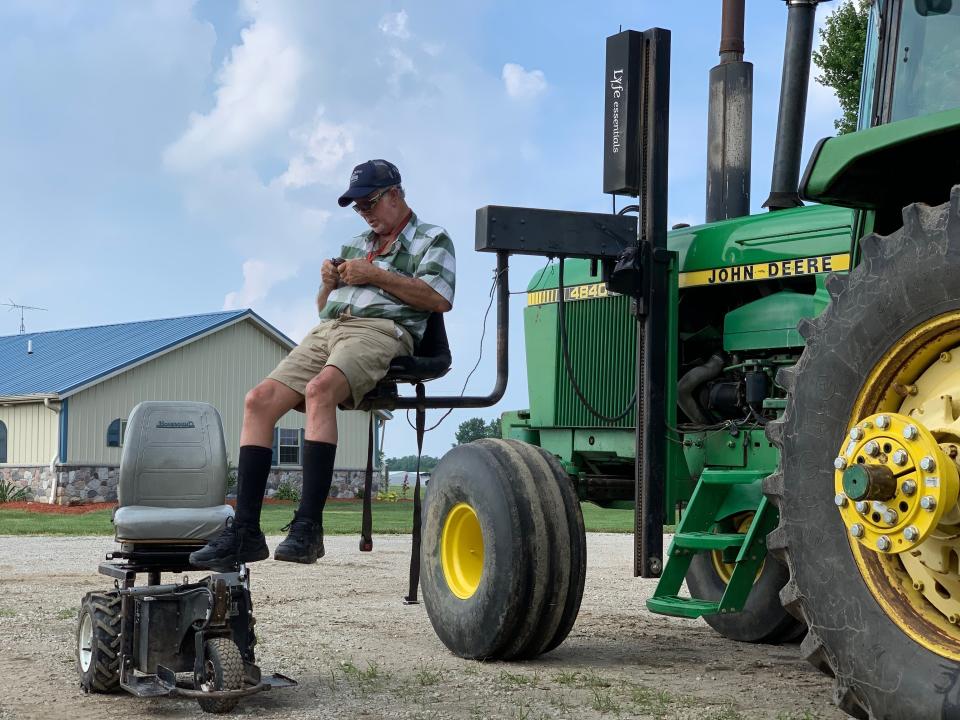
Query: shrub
11,493
386,496
286,491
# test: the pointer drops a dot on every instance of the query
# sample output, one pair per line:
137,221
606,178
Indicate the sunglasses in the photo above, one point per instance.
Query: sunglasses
367,204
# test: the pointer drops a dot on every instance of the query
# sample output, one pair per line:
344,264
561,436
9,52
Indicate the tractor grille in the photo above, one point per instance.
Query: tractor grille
602,337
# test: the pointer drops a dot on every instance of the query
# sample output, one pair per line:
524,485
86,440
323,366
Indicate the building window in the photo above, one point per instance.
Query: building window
3,442
115,432
288,446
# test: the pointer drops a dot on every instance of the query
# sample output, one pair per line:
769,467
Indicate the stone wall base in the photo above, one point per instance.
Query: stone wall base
83,483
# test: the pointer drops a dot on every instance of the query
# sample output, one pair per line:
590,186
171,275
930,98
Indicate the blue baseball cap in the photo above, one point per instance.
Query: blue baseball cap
368,177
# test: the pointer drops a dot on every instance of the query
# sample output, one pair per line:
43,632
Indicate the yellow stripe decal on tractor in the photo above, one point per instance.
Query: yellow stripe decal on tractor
766,271
571,293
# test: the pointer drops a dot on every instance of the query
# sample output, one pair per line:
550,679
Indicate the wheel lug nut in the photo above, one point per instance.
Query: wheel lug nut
883,422
900,457
908,487
911,533
872,448
927,464
840,500
862,507
928,502
856,530
910,432
890,516
840,463
883,543
856,433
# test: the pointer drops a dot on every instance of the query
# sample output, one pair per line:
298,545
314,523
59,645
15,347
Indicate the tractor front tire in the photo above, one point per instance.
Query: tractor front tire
98,642
763,618
504,551
887,322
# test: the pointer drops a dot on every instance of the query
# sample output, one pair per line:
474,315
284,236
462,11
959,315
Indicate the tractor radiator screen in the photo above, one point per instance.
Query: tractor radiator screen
602,336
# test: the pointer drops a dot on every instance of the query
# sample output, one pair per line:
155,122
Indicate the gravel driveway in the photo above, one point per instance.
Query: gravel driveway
340,628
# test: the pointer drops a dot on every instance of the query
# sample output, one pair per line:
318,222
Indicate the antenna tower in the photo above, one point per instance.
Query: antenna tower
12,305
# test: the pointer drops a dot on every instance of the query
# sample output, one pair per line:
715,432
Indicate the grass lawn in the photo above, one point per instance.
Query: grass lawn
339,518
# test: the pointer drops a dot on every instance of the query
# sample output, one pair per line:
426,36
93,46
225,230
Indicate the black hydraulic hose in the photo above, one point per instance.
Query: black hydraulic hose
568,366
693,379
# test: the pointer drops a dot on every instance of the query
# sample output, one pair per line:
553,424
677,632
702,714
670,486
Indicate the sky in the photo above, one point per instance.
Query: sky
178,157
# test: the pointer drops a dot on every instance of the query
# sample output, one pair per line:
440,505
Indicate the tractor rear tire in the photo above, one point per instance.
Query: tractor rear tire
763,618
503,552
221,668
98,642
906,282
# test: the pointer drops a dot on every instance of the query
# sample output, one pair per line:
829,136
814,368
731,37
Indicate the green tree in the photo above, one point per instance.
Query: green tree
477,429
408,463
840,58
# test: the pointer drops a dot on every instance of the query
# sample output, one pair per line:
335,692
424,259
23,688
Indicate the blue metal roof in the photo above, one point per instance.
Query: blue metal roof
64,360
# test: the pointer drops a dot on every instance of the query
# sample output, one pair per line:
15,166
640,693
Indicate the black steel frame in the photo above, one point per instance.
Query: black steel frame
210,600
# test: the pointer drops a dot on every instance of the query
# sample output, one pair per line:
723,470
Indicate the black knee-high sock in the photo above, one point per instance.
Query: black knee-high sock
318,460
252,473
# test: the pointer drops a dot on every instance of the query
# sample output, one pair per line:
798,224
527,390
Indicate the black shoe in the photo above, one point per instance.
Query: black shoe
235,544
304,543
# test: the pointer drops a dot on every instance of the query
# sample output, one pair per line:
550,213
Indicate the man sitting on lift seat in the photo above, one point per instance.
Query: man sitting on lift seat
373,306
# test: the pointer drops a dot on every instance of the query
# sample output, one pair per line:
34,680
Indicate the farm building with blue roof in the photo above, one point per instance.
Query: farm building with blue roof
65,396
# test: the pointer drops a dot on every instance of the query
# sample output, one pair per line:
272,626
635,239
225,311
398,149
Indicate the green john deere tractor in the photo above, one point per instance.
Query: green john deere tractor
786,382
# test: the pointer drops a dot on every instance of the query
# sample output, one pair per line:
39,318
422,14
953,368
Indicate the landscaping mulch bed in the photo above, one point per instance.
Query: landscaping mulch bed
40,507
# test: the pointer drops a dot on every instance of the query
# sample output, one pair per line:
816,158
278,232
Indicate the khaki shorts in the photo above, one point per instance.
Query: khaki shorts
360,348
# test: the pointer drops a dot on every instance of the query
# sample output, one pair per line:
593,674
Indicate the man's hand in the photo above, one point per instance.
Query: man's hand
329,276
359,272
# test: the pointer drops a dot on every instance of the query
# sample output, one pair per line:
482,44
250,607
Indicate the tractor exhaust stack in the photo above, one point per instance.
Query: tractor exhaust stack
729,122
793,105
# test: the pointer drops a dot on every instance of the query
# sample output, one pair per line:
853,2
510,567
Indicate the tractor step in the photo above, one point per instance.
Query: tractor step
743,551
682,606
708,540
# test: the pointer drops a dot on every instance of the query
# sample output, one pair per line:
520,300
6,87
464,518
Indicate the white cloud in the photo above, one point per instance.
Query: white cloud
395,25
432,48
402,65
252,218
522,83
324,146
257,90
258,277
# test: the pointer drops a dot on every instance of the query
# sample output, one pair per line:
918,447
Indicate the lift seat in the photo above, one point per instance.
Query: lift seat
431,360
173,474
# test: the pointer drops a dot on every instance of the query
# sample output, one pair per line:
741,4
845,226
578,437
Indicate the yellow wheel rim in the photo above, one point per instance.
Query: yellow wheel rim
723,569
461,551
919,589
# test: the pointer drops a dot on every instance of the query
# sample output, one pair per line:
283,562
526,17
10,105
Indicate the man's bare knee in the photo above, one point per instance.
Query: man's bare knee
264,400
322,391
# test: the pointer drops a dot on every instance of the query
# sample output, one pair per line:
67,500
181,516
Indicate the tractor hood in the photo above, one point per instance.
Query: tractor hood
773,245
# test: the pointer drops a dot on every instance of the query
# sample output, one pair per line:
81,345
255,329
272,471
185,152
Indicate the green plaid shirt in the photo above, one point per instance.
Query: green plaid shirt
421,251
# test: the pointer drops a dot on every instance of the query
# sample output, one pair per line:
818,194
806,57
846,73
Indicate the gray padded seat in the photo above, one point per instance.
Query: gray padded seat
173,474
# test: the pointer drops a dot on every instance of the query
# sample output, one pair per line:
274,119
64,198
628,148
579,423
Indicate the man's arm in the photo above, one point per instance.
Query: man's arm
411,291
328,283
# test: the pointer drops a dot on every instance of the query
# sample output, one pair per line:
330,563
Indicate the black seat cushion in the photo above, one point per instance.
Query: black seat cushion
431,356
